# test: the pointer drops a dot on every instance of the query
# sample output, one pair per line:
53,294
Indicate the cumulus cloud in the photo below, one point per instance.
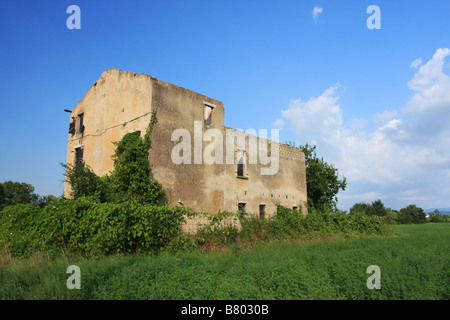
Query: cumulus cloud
278,124
384,117
315,13
406,157
416,63
430,74
317,117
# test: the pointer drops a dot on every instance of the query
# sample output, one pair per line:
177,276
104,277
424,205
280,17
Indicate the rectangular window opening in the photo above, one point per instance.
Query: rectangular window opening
72,126
80,123
79,156
208,114
262,211
241,207
241,168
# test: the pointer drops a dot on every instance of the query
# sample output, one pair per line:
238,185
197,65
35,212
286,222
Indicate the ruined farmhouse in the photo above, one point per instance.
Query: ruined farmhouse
201,163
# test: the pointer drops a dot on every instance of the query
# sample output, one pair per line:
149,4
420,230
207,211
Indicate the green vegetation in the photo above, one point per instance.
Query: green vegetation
91,228
414,264
128,242
123,212
86,226
437,216
12,193
407,215
126,211
130,181
323,183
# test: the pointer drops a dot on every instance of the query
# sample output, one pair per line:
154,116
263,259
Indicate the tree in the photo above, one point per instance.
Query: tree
360,207
322,180
2,196
12,193
46,200
84,182
437,216
392,216
411,214
377,209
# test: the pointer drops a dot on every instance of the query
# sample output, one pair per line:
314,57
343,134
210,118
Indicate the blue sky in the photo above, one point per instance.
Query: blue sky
383,120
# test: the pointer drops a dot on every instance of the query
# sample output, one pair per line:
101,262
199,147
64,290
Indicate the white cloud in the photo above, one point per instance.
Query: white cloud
384,117
278,124
416,63
315,13
406,157
431,85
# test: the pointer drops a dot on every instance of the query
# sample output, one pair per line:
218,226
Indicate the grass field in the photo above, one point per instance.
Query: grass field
414,264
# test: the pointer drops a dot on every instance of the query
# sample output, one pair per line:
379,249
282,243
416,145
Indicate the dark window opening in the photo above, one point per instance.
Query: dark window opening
241,207
80,123
262,211
295,207
72,126
79,156
241,170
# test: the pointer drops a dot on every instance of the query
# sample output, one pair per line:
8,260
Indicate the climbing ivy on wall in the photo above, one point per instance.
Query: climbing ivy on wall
131,179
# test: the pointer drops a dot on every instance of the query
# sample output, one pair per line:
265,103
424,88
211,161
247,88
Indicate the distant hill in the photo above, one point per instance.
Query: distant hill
441,210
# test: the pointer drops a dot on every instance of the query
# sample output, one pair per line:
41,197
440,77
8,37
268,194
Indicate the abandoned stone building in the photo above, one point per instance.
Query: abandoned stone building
188,126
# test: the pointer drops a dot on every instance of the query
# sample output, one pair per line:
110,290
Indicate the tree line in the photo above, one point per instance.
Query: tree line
409,214
12,193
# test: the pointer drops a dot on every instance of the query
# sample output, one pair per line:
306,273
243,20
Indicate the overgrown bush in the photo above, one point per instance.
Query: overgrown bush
437,217
220,227
84,182
18,227
131,179
287,223
87,226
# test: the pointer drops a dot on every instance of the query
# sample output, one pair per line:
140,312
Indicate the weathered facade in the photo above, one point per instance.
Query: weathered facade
121,102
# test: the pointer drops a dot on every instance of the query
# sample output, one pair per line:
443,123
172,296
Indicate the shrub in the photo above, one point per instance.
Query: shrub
411,214
84,182
254,228
437,216
287,223
376,208
392,216
87,226
220,226
18,226
131,178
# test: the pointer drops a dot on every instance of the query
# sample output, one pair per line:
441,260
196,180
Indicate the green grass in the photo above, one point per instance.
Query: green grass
414,264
